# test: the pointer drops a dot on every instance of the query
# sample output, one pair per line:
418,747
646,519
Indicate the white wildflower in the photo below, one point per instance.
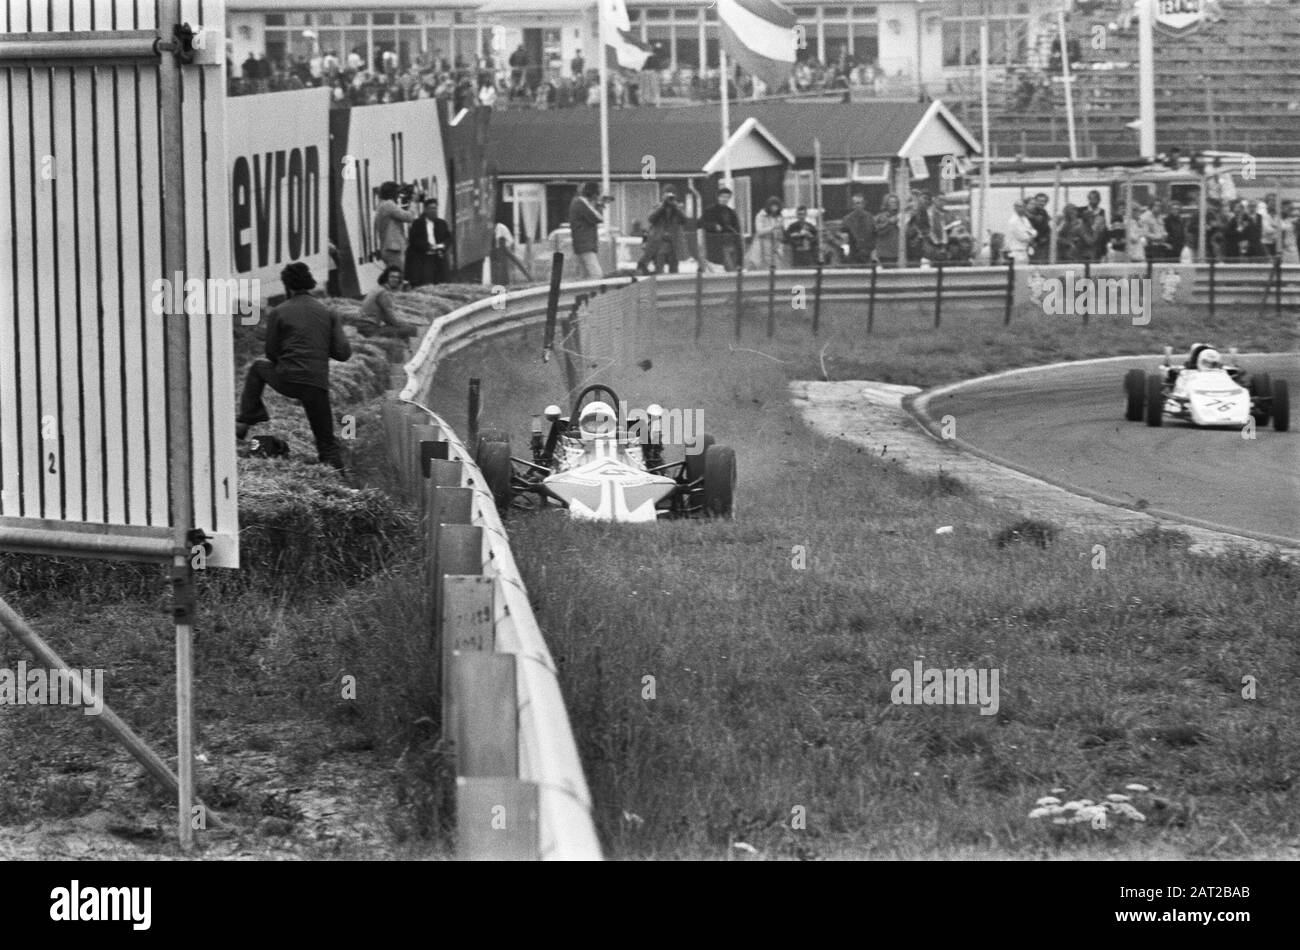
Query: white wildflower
1117,798
1136,788
1048,800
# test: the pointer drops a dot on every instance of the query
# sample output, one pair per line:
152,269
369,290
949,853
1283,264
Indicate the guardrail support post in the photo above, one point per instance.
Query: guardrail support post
485,714
817,298
1011,290
497,820
1087,276
938,292
771,300
459,551
475,407
1277,272
740,296
871,296
1212,263
699,300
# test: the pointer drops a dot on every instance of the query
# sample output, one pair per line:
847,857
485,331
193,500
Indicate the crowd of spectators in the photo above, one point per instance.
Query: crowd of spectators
1157,230
515,81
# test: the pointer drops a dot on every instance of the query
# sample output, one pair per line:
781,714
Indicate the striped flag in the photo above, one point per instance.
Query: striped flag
622,49
760,36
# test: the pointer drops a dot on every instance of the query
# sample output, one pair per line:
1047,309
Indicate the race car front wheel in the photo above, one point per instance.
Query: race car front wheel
719,480
1135,390
1261,394
1155,399
493,458
1281,406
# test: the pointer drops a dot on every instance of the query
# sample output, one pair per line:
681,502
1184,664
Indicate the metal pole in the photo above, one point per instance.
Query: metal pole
1146,81
603,64
938,293
726,118
1051,234
740,292
1069,92
771,298
699,300
1212,263
1205,224
984,131
475,407
1011,289
179,438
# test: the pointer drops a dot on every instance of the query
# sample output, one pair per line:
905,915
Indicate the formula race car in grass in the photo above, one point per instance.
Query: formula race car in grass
1206,392
605,468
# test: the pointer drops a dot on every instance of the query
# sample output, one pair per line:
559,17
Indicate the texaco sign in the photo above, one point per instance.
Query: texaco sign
1183,16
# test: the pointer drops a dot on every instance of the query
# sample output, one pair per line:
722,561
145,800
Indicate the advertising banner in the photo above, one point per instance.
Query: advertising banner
473,206
277,150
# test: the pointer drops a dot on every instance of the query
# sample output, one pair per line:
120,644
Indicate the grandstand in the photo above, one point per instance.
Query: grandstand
1231,83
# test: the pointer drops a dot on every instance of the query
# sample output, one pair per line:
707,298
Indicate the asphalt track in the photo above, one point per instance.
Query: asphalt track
1066,425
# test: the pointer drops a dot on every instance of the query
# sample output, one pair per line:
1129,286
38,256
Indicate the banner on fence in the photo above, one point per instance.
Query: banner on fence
277,148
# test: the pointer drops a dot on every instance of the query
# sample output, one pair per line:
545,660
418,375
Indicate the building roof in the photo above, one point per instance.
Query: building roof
686,140
566,142
871,129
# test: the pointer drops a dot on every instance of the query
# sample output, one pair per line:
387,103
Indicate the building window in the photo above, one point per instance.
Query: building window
1010,25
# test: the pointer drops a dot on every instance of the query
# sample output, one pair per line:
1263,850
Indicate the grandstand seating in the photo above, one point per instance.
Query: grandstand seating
1233,84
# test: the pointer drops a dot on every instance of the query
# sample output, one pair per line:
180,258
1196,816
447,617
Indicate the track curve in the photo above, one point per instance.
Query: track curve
1065,424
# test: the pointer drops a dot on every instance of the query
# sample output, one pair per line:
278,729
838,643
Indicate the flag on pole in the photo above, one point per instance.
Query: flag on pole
760,36
623,50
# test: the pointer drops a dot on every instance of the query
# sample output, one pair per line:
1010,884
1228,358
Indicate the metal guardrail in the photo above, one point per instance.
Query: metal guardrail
521,791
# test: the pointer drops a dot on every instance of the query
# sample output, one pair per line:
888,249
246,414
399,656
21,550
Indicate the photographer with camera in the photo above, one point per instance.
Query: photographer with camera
665,245
390,215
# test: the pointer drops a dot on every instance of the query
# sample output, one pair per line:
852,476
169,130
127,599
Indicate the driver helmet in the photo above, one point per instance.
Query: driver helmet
598,420
1209,358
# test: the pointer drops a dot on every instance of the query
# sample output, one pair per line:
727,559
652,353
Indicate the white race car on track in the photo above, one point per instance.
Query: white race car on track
1206,392
604,468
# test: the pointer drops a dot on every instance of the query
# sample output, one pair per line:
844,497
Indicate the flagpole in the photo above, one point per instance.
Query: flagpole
984,131
602,42
1065,75
726,118
1146,81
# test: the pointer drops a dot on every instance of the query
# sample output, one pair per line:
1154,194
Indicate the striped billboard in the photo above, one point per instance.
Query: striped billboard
86,309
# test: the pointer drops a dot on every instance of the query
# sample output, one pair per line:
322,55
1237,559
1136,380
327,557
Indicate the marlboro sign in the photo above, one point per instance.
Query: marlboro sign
1180,17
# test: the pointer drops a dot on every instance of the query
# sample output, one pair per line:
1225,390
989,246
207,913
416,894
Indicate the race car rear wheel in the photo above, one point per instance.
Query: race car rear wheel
493,458
719,480
695,460
1155,399
1135,390
1281,406
1261,394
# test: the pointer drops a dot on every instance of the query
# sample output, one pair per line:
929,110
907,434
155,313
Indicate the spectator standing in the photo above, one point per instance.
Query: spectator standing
1175,231
722,235
1018,242
918,224
1266,213
665,246
802,238
428,252
1134,234
585,219
302,336
1288,237
1241,235
769,236
577,67
1093,217
390,236
518,64
1072,237
886,233
1040,219
860,227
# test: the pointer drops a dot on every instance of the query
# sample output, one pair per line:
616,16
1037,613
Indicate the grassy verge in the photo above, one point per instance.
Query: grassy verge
731,682
313,673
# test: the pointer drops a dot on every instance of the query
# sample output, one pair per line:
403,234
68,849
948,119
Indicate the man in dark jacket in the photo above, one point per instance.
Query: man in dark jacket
860,227
302,336
665,245
428,247
721,226
585,220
